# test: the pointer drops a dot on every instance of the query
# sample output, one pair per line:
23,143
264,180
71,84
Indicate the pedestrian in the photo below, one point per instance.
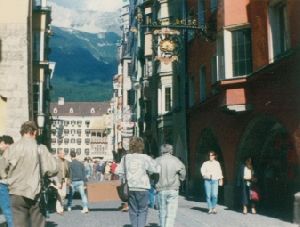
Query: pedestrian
78,181
172,171
137,166
5,142
212,174
62,180
87,167
26,158
247,182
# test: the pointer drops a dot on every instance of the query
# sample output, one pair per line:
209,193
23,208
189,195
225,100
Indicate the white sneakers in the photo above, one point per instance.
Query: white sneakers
85,210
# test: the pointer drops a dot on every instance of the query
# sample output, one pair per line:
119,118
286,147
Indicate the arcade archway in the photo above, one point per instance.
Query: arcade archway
267,141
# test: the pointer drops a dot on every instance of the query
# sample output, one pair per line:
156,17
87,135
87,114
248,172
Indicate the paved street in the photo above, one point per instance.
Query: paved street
190,214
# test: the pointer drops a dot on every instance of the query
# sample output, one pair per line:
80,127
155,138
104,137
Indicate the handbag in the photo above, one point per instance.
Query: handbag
123,189
44,183
254,194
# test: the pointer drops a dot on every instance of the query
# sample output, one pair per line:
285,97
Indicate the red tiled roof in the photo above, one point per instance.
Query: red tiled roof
79,109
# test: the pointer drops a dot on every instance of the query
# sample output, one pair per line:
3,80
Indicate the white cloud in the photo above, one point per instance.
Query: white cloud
86,18
95,5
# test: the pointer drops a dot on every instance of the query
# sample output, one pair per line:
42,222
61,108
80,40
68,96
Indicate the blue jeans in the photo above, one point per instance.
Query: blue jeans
152,195
211,191
168,204
5,204
79,187
138,208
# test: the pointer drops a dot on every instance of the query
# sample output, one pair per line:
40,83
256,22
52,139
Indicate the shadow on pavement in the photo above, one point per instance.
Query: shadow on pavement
204,210
150,225
103,209
51,224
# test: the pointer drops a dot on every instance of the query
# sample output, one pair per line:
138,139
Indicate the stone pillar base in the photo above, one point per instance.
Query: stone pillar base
229,198
297,208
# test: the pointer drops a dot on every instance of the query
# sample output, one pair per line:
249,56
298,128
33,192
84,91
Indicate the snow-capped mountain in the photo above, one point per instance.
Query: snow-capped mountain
92,16
84,47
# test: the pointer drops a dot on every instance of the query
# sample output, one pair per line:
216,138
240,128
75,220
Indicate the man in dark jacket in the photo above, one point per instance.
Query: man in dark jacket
78,180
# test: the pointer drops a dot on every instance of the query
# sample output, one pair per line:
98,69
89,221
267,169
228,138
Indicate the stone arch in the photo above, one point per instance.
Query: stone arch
268,142
207,142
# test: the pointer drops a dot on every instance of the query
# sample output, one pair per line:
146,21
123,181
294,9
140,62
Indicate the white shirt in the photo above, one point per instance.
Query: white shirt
211,170
247,173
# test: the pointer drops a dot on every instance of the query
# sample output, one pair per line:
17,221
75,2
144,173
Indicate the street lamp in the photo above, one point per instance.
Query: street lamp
41,120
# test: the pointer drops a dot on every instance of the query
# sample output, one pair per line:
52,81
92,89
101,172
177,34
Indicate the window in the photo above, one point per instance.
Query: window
87,141
241,52
191,92
66,131
220,57
201,12
168,99
66,141
73,140
202,81
87,151
78,151
79,132
78,141
71,110
213,5
66,150
36,93
53,140
213,69
278,31
36,50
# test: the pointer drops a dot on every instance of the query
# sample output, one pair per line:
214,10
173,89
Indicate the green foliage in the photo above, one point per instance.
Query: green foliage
73,91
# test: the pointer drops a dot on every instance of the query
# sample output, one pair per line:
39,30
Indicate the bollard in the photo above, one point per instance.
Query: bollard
297,208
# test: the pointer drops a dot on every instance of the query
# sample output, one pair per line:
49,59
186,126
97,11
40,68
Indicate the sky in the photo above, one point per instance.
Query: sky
85,15
97,5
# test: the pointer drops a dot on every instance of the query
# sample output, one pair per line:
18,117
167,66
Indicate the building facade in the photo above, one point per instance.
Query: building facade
24,66
83,127
243,89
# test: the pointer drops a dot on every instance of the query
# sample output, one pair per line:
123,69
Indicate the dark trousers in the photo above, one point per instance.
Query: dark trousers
138,208
26,212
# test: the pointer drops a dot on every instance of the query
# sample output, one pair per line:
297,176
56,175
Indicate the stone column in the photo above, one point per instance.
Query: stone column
297,208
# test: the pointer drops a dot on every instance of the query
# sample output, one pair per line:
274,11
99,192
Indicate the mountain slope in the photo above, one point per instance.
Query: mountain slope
85,62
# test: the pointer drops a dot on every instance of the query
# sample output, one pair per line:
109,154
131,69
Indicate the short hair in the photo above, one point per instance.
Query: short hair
73,154
166,148
136,145
7,139
28,127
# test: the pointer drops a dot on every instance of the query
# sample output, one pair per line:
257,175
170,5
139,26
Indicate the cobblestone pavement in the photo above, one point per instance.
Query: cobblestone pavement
190,214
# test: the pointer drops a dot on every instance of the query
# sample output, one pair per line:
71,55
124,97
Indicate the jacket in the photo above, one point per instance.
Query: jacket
77,171
23,176
172,170
138,166
3,167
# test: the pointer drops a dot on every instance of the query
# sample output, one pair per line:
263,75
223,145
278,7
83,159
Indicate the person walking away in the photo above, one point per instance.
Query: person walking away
62,180
5,142
87,168
24,177
212,174
247,181
172,171
138,166
78,180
